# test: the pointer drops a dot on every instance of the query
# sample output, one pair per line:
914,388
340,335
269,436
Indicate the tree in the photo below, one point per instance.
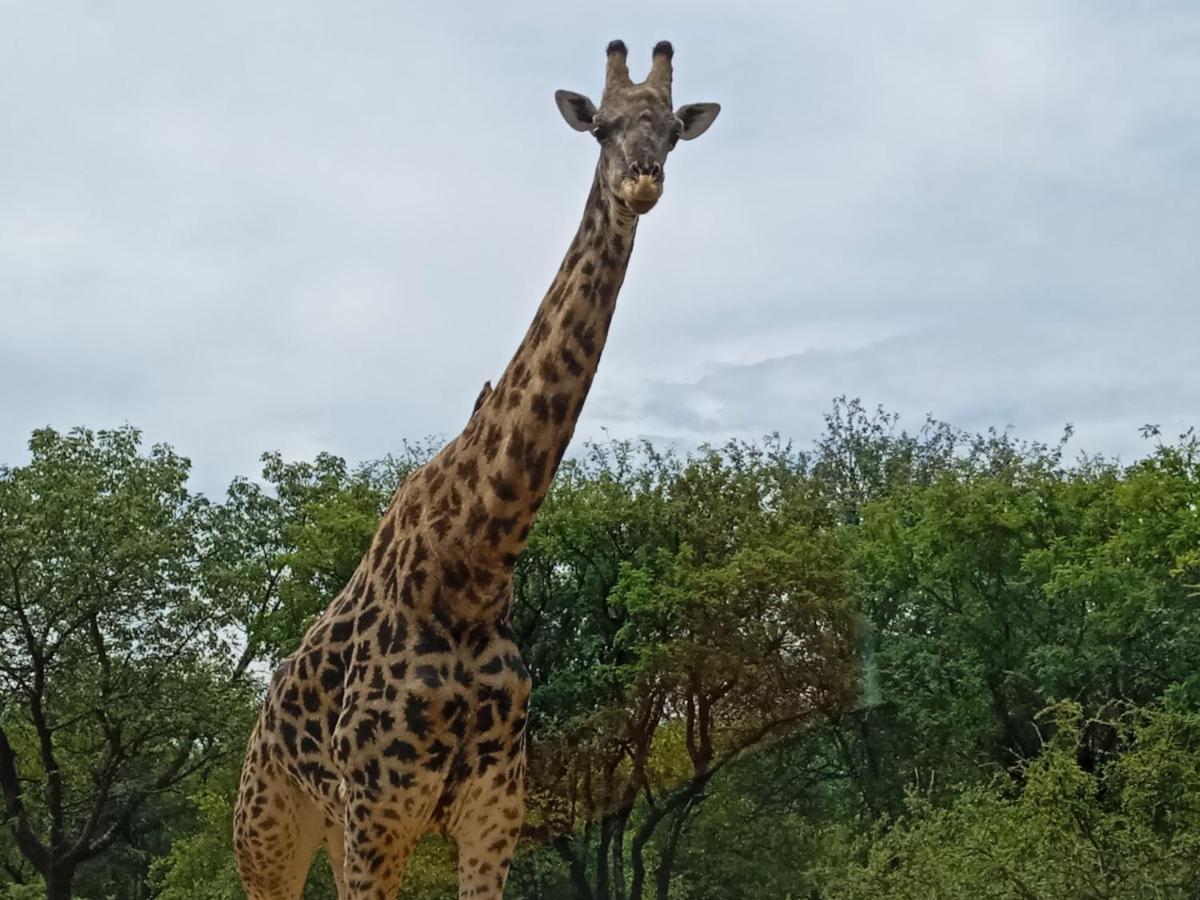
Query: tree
114,677
759,673
1129,827
1011,582
711,620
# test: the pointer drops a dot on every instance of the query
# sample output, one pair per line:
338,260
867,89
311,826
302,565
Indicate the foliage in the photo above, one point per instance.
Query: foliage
1128,828
708,616
116,683
929,664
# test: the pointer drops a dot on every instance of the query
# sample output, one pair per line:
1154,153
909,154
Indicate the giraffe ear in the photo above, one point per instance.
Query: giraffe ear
696,117
577,109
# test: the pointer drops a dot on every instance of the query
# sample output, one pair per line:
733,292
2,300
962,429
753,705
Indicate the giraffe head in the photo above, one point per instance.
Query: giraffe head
636,126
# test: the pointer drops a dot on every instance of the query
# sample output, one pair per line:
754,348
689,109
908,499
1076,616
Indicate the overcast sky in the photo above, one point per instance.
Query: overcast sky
305,226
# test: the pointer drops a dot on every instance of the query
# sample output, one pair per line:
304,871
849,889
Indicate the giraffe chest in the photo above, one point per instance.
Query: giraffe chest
404,704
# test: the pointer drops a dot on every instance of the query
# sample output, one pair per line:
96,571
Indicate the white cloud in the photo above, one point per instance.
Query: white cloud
997,374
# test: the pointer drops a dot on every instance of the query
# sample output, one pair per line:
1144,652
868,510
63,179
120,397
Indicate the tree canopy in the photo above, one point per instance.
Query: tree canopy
891,665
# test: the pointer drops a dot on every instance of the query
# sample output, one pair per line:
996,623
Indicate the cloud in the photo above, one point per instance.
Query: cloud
1035,381
299,227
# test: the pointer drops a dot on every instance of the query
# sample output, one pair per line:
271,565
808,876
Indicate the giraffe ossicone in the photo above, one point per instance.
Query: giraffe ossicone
403,710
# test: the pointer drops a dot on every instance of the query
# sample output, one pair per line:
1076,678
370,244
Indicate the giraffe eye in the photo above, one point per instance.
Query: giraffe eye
605,125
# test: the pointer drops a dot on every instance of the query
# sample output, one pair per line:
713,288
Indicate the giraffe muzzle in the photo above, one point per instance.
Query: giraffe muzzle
642,193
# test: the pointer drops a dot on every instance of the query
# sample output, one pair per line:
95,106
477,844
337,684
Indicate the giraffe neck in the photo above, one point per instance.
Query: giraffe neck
492,478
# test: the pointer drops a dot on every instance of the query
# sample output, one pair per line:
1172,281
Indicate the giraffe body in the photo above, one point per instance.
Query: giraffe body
404,708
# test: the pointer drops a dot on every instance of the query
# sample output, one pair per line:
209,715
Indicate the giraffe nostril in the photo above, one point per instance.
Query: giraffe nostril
655,170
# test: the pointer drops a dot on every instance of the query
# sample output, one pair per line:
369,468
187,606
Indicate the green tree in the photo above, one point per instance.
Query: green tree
759,673
711,619
1127,828
1011,582
114,675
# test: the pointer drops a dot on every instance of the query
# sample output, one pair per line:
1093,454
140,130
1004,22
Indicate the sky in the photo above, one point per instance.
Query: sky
304,226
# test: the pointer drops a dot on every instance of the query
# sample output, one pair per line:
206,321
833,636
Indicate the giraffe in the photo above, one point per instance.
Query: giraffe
403,710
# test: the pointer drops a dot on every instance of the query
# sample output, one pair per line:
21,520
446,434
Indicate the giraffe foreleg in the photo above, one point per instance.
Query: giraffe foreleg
487,830
276,831
381,834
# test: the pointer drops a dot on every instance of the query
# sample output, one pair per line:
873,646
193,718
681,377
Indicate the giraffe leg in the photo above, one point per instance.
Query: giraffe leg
276,831
487,832
378,841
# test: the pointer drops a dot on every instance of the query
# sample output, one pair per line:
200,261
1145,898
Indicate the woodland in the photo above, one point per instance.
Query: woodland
890,664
